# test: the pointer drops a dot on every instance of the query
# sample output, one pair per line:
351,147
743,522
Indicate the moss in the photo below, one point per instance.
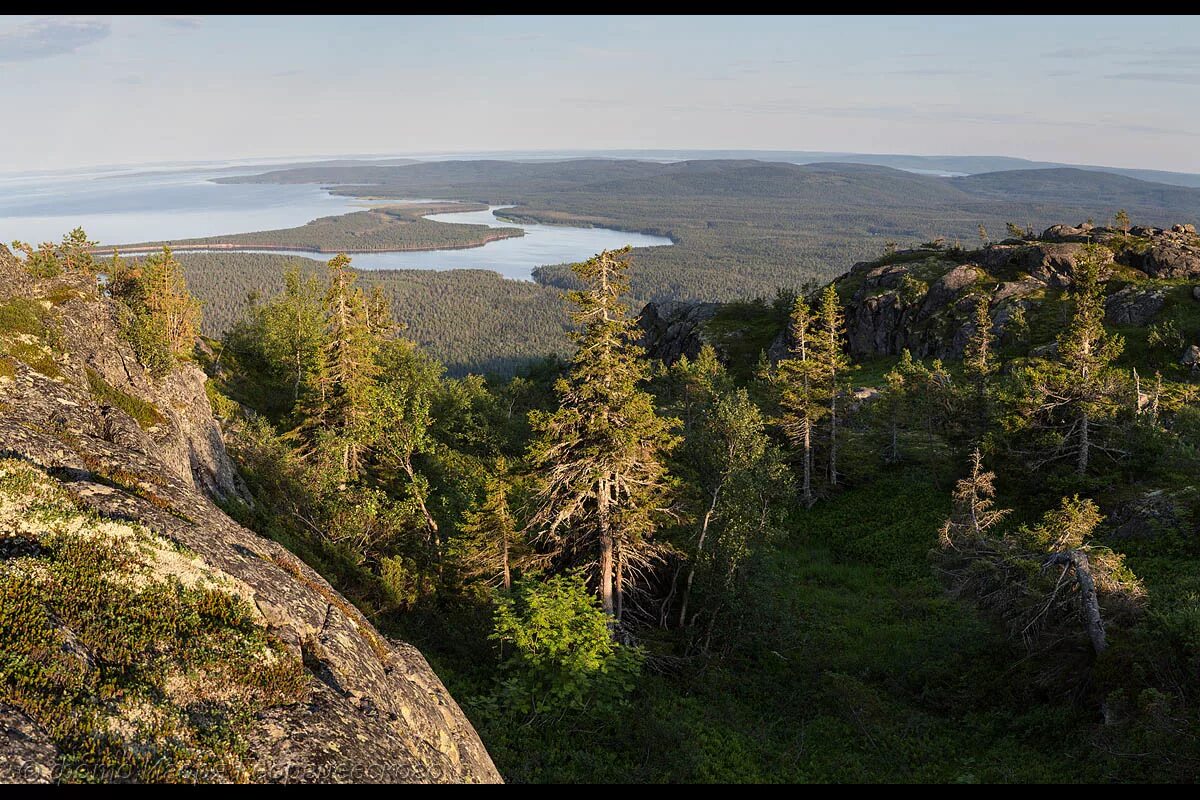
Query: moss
222,406
137,661
145,413
36,357
21,315
60,295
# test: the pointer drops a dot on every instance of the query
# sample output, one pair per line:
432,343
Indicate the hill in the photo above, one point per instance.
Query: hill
744,227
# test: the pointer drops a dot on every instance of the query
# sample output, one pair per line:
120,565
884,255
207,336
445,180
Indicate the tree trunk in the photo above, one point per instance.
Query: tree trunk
1084,444
833,474
605,577
687,587
1089,601
411,472
504,556
808,461
619,584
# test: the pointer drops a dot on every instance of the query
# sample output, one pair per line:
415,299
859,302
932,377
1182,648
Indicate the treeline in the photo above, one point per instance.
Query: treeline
470,320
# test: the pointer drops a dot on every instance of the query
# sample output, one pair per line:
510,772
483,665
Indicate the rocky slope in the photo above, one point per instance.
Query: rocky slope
923,299
143,634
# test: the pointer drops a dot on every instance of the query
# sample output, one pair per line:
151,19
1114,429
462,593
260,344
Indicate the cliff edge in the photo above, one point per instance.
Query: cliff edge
143,634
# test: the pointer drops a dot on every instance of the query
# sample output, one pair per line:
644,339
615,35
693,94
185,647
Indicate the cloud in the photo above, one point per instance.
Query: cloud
932,72
187,21
1191,78
45,38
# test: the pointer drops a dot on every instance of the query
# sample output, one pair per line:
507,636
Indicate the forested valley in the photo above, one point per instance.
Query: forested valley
968,554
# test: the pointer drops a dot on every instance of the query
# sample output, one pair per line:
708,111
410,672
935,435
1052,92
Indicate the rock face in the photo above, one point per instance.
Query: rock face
923,300
370,708
674,329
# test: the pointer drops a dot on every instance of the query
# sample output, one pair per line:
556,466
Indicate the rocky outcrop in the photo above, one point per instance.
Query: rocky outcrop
922,301
1133,306
78,410
674,329
26,753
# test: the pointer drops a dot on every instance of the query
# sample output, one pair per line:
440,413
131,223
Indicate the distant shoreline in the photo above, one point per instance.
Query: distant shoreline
184,247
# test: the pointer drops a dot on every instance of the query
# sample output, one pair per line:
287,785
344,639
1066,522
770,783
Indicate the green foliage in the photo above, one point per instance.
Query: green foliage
159,317
561,655
145,413
1165,335
600,455
28,333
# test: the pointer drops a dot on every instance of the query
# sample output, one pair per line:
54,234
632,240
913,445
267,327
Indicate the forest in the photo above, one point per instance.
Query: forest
756,575
820,566
469,320
743,228
384,228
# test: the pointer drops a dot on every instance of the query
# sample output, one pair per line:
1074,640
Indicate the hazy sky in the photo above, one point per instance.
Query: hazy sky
101,90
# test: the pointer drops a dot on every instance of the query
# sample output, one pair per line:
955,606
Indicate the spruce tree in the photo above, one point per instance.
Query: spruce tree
831,364
489,544
801,391
349,367
1080,390
600,455
980,363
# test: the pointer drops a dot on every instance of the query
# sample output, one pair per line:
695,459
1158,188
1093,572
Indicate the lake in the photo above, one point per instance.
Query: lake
134,204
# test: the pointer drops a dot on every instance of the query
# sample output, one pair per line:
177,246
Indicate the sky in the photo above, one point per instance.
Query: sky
123,90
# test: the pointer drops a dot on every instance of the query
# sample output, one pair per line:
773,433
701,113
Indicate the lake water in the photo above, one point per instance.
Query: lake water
513,258
132,205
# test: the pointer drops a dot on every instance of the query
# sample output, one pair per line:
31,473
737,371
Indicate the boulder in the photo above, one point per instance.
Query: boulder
1191,357
1171,256
1055,263
1133,306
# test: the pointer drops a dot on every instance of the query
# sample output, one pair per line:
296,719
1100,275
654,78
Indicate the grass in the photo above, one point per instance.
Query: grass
145,413
138,663
853,666
743,331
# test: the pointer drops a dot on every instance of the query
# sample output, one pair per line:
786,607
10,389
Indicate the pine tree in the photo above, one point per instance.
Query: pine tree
897,402
801,391
980,363
1086,384
983,235
600,455
1122,221
168,301
830,364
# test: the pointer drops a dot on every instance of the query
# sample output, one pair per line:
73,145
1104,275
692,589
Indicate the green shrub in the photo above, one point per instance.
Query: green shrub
560,653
